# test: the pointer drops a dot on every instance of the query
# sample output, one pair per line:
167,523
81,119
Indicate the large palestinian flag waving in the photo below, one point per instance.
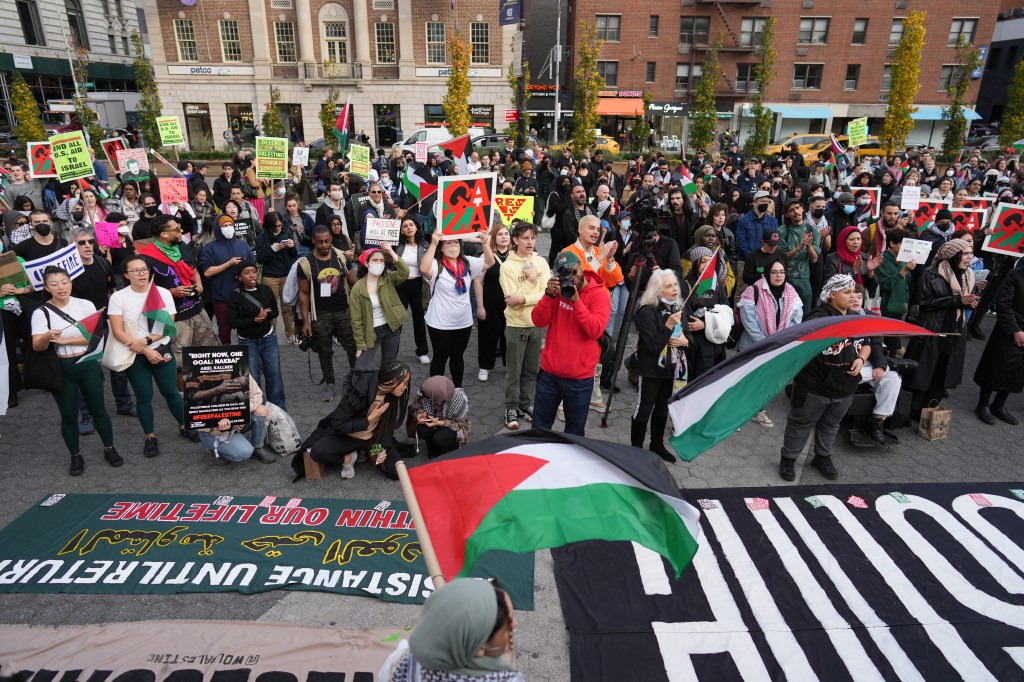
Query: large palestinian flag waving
714,405
539,489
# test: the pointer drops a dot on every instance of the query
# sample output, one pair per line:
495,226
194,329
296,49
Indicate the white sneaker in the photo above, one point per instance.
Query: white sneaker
424,359
482,376
348,470
762,419
598,405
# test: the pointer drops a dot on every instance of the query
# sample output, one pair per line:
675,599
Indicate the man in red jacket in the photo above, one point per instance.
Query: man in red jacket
571,349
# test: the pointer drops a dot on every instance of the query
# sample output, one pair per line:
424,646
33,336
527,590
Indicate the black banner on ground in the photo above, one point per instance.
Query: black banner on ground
853,582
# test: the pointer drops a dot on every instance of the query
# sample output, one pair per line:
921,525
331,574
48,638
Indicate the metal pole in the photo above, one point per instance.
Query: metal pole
558,73
67,51
521,88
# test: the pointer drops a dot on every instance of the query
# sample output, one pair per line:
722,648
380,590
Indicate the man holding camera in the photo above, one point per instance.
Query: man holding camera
575,308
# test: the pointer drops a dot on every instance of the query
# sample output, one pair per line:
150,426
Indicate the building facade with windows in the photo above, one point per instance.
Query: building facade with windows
833,60
37,38
216,65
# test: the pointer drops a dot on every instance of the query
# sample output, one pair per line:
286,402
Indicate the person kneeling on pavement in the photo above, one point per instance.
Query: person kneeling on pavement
884,383
442,421
824,388
227,443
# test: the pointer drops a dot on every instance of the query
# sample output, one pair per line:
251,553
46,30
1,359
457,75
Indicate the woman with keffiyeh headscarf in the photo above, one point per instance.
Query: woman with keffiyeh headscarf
946,292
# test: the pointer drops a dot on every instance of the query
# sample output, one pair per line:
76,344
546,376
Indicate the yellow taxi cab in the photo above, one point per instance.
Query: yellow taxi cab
804,142
602,142
872,147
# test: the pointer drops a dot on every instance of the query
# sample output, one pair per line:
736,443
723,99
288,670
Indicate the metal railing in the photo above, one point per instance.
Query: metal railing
285,71
334,71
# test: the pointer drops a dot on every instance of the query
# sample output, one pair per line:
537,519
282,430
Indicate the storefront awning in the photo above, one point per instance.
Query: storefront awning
793,111
620,106
925,113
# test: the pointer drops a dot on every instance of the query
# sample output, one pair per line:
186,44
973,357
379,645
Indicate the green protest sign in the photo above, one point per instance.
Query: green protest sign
71,156
359,159
169,544
170,130
271,158
857,132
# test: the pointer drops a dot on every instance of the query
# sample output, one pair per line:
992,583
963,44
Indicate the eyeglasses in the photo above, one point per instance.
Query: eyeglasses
83,242
138,271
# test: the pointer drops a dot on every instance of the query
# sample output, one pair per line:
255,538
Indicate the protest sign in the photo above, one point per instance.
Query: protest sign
514,208
924,216
979,202
173,190
41,159
271,158
300,156
876,199
421,152
216,380
66,258
382,231
359,160
132,164
106,234
110,147
11,270
972,219
71,156
466,204
910,199
170,130
857,132
914,250
1007,237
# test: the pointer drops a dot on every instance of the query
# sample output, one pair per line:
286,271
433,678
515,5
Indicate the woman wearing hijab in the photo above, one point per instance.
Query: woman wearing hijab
377,310
703,352
373,404
442,420
1001,368
848,259
558,203
946,292
467,627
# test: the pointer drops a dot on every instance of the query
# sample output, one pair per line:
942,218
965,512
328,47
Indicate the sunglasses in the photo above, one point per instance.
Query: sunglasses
83,242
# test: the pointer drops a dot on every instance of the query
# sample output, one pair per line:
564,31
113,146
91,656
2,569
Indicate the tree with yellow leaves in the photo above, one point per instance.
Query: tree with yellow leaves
589,82
456,101
906,70
28,121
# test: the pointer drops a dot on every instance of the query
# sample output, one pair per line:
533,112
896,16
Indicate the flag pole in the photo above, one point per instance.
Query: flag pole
433,567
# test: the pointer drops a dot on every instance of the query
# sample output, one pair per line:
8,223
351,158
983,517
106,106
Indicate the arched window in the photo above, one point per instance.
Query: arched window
76,23
334,36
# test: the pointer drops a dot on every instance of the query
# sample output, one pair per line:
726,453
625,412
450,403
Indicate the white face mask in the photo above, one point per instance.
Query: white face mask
280,191
228,232
124,229
336,194
376,269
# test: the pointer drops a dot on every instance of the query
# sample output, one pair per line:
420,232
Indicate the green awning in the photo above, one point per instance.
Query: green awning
48,66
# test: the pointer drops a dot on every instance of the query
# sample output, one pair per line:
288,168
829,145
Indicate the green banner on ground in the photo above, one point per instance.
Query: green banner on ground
169,544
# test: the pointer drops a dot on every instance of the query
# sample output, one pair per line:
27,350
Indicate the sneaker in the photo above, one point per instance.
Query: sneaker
598,405
991,313
525,414
327,395
424,359
261,455
762,419
825,466
113,459
787,469
483,374
77,465
128,410
348,470
86,427
190,434
150,448
511,420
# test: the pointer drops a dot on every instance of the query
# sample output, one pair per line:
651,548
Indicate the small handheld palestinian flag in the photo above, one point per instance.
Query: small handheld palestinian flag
98,188
341,125
902,168
839,155
154,310
461,149
708,280
94,329
686,180
418,182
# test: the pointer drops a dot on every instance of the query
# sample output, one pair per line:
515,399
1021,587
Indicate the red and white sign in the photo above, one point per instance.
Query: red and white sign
174,190
511,115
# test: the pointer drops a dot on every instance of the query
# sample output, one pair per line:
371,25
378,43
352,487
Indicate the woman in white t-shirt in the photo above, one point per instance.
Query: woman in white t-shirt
55,323
411,247
449,317
142,318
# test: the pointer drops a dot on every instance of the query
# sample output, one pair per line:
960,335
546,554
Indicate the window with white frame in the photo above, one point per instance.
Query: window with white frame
962,27
852,77
860,32
745,78
480,42
230,42
687,74
185,36
896,31
336,35
886,78
608,27
384,33
284,38
751,29
813,30
437,49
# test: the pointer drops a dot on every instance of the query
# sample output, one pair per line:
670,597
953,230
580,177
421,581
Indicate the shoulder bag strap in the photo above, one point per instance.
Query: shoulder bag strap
59,312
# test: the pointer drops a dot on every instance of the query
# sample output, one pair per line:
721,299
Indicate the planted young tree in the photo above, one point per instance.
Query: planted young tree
704,112
85,114
968,58
28,125
149,106
1011,127
456,100
764,74
642,129
906,70
589,82
272,126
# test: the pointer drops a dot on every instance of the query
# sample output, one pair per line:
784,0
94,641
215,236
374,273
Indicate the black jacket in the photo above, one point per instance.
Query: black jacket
242,312
937,312
666,255
652,337
826,374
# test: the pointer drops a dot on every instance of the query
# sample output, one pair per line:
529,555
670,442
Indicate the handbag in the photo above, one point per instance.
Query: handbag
546,221
42,369
873,305
118,357
935,421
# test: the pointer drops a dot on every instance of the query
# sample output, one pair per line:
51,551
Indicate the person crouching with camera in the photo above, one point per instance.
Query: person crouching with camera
575,308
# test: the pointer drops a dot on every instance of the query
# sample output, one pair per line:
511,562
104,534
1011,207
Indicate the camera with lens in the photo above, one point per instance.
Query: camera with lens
305,342
566,282
646,218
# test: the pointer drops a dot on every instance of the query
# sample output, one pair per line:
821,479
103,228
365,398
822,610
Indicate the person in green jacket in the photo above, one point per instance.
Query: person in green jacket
377,310
894,282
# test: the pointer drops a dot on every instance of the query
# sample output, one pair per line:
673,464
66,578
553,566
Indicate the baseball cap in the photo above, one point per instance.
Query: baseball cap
761,194
771,236
566,258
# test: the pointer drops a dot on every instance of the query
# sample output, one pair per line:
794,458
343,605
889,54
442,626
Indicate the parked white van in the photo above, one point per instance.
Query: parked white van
432,136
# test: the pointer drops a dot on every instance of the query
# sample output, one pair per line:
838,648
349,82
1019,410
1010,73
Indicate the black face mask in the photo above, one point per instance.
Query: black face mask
149,210
43,229
818,213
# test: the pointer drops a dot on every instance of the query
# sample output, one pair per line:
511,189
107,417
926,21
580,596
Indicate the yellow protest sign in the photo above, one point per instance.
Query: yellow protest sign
170,130
514,208
857,131
71,156
359,158
271,158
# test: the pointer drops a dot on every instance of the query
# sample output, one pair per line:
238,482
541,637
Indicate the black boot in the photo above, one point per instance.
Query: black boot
661,451
874,430
984,414
1002,414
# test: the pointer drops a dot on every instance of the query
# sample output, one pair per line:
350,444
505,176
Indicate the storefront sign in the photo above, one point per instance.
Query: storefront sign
511,115
22,61
211,70
444,72
668,108
620,93
197,110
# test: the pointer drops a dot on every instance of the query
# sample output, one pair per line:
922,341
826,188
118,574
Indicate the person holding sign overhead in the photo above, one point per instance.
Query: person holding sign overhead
377,310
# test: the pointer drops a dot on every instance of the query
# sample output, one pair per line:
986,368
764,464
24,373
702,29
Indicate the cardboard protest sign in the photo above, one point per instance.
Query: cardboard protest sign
359,160
924,216
876,199
11,270
979,202
110,147
382,231
41,160
106,234
1007,237
66,258
271,158
467,202
216,380
71,156
300,156
173,190
514,208
972,219
916,250
421,152
170,130
910,198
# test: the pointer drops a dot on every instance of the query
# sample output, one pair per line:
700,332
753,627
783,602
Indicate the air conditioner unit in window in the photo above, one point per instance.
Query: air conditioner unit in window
684,48
902,4
801,52
795,96
808,4
688,3
890,53
849,85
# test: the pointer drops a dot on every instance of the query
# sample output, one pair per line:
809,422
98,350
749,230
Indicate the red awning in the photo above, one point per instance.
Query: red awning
620,106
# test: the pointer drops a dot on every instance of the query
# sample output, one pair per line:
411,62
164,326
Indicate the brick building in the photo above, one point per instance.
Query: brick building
833,62
216,64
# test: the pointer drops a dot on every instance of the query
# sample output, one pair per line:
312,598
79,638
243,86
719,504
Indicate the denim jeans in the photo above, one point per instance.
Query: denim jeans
265,366
620,296
236,448
573,394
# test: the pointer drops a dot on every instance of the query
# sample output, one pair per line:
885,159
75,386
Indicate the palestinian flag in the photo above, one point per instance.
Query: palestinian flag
686,181
100,192
839,157
154,310
712,407
538,489
418,182
94,329
708,280
461,149
341,125
902,168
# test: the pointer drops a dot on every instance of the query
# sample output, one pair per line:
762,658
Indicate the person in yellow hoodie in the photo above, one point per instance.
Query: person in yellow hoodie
524,276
